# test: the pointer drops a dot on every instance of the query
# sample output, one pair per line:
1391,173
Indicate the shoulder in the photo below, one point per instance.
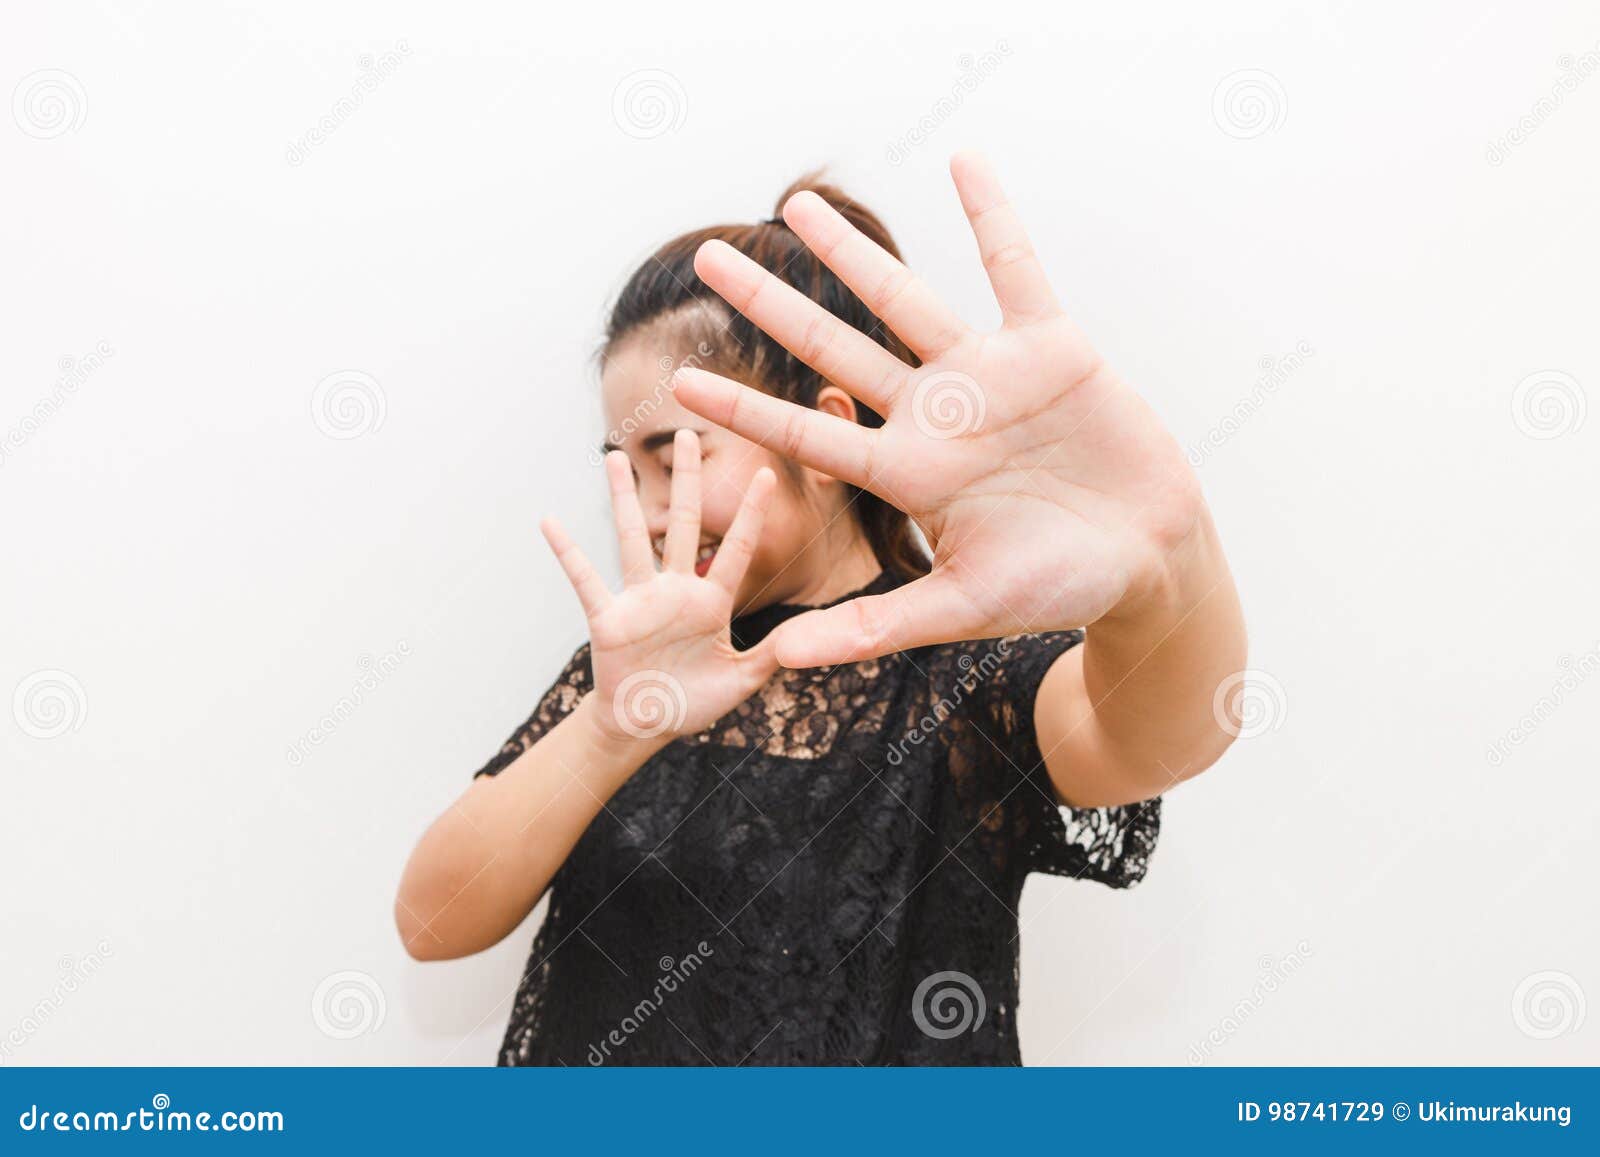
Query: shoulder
581,657
991,682
578,672
571,683
574,681
1010,660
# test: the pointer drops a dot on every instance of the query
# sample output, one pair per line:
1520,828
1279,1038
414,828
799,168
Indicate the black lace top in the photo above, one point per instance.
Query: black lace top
827,875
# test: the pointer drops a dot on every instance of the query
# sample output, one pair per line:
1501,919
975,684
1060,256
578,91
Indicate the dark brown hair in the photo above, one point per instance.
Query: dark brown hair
666,298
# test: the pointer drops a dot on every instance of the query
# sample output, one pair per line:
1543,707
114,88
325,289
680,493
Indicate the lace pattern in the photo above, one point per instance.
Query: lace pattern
783,887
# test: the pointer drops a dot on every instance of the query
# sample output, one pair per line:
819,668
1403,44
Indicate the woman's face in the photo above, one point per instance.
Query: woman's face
806,523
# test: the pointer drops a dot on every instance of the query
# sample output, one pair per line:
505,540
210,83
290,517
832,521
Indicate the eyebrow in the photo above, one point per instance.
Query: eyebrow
651,441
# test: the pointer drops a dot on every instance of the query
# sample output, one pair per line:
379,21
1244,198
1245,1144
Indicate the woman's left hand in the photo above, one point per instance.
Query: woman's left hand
1051,492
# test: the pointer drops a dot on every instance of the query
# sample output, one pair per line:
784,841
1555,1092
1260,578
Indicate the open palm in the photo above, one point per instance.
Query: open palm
1049,489
661,649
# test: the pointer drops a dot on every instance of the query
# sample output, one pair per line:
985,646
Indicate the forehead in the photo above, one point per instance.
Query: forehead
636,384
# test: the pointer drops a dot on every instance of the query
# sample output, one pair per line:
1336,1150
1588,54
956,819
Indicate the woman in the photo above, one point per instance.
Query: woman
786,796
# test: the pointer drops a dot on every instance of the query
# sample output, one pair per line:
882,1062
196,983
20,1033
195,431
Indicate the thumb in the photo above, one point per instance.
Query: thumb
759,663
930,610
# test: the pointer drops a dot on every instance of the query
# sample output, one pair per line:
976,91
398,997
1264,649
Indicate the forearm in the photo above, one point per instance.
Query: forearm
483,865
1152,666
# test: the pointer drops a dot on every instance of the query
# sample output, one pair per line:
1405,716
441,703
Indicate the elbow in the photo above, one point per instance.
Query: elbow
417,935
1202,756
419,908
458,895
1177,767
440,915
1207,756
420,940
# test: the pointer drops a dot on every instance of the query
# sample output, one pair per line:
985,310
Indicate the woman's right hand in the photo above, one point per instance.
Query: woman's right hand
664,661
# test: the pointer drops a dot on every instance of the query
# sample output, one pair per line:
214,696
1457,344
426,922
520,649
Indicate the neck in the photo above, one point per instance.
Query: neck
840,568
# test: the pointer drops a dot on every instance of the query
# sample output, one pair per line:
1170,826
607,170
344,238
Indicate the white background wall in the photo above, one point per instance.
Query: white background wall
212,570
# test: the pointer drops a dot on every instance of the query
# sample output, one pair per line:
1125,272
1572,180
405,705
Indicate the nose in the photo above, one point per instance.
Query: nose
653,504
655,517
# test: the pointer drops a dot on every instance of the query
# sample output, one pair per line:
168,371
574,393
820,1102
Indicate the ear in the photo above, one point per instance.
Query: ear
831,400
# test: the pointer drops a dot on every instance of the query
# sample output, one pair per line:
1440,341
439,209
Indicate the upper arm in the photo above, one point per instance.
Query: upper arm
1037,748
1084,768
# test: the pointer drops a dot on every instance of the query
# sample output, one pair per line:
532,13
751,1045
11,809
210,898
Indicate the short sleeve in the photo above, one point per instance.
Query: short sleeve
575,681
1110,845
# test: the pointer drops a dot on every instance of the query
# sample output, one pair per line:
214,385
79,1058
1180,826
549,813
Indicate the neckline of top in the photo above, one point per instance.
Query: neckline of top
750,628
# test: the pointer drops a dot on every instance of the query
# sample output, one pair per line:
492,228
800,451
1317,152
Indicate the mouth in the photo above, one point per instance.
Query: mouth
702,558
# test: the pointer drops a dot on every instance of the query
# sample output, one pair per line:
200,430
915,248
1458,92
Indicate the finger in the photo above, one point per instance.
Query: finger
633,537
758,663
918,614
1019,281
683,515
833,445
891,291
839,352
739,544
585,580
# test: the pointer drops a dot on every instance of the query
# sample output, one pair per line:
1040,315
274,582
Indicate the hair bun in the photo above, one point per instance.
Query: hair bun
864,219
